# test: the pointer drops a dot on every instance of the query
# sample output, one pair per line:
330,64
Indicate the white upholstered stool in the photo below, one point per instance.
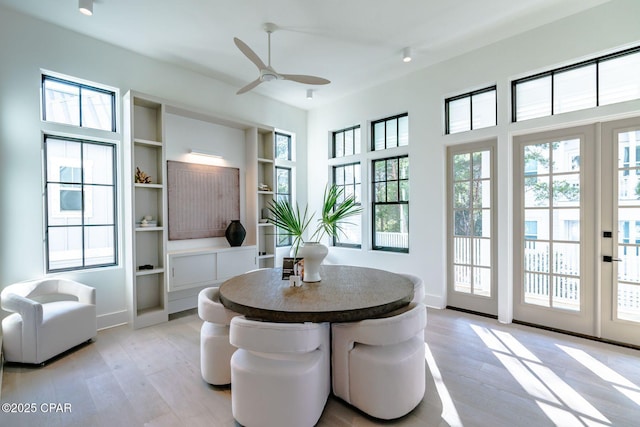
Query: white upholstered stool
215,349
280,373
38,330
378,364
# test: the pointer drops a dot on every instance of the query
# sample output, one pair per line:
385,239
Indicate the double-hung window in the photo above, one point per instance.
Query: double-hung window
391,204
80,198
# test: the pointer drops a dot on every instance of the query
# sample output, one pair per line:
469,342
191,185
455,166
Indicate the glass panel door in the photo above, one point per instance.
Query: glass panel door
471,224
621,246
553,223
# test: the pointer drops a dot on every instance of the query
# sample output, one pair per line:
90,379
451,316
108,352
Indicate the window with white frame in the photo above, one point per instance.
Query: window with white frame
80,198
473,110
601,81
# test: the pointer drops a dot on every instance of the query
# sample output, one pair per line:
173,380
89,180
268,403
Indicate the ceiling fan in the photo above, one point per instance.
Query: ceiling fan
267,73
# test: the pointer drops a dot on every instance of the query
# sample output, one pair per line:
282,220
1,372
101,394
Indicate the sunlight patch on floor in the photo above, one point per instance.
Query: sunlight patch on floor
449,411
620,383
560,402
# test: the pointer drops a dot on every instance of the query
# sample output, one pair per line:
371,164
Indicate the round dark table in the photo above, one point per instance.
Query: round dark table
345,294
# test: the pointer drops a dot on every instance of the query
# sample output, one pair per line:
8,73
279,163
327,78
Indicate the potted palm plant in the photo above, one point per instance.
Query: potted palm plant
291,221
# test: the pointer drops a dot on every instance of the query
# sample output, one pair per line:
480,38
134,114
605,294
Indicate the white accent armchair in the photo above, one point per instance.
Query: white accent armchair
38,331
280,372
215,349
378,364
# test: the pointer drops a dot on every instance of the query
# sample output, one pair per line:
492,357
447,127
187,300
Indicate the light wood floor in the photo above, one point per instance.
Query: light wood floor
481,373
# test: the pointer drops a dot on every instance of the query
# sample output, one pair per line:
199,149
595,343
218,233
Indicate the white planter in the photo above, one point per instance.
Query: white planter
313,254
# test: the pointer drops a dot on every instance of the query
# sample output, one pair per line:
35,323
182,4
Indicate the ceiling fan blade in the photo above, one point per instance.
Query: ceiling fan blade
249,53
250,86
309,80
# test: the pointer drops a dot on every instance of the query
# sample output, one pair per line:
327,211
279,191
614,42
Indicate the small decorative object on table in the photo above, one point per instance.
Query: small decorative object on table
141,177
292,267
235,233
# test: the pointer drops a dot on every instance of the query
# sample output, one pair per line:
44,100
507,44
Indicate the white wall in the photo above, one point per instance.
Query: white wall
601,30
27,46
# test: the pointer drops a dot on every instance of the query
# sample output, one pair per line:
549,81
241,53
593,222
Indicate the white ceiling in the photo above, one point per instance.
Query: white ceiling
354,43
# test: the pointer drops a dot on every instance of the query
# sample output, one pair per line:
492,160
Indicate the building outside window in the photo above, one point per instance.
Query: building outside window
80,200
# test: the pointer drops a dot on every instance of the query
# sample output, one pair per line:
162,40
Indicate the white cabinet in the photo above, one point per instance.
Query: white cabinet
207,267
145,197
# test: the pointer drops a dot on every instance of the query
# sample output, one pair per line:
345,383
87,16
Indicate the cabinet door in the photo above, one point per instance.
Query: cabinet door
236,262
192,270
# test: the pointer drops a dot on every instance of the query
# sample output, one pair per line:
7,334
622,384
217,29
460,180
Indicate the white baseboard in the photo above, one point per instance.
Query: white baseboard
435,301
113,319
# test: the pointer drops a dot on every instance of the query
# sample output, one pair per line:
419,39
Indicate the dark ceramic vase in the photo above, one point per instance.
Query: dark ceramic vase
235,233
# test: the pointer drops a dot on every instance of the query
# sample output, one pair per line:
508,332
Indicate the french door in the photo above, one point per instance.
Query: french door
621,231
554,239
471,227
577,230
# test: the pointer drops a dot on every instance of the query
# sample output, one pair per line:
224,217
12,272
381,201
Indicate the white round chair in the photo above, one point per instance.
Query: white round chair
280,374
215,349
378,364
39,330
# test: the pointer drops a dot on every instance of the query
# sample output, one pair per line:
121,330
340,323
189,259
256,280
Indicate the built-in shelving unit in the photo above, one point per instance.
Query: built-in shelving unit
160,281
145,240
265,190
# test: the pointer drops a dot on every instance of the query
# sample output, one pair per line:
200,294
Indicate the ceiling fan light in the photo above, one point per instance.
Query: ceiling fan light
406,54
85,7
309,93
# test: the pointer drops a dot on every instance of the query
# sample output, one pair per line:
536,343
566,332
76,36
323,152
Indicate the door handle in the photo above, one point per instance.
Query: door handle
609,258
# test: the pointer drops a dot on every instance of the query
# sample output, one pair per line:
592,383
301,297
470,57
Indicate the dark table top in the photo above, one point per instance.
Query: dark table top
345,294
